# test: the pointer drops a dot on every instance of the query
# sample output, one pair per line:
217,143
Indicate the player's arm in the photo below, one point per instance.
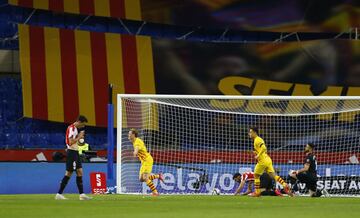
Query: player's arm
304,169
262,147
136,151
249,189
74,140
241,186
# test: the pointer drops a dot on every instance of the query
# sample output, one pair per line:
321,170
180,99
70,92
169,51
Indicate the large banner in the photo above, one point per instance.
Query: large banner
337,179
320,67
66,73
128,9
269,15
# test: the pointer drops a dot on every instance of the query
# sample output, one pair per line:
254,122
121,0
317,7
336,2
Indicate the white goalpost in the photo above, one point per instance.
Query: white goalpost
199,142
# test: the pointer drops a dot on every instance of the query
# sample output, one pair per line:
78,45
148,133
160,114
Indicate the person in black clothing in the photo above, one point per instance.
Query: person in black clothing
308,174
267,184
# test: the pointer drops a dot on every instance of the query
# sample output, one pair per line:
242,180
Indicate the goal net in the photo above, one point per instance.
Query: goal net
199,142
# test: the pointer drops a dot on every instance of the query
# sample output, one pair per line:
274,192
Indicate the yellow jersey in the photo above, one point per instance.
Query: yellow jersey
259,146
143,154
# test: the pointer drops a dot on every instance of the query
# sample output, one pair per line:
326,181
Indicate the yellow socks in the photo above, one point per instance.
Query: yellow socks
281,181
151,186
155,176
257,185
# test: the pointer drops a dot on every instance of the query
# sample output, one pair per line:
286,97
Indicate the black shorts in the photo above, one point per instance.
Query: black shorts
309,180
73,160
266,182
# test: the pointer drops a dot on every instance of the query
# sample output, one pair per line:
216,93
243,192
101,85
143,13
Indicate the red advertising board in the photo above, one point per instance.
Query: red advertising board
98,182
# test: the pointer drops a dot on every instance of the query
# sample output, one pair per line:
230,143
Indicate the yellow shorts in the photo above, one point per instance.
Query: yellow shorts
146,167
264,165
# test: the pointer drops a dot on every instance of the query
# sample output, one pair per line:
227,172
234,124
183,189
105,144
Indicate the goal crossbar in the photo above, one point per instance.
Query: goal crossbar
239,97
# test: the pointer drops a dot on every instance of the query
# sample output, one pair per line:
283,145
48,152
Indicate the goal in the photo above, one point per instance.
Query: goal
199,142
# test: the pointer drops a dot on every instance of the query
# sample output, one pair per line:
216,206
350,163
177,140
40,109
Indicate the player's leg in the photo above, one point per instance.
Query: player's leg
145,172
312,186
79,178
156,176
278,179
63,183
69,170
79,183
282,182
294,183
270,170
267,186
266,182
150,184
159,176
310,183
258,171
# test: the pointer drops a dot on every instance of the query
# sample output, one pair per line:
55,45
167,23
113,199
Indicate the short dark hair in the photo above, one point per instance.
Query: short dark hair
255,129
236,175
82,119
311,145
134,131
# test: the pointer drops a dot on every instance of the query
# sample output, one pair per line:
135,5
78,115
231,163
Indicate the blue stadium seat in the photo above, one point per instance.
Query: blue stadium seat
17,132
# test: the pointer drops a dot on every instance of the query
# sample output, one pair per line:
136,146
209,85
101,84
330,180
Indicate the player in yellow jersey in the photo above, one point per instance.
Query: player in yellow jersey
146,159
264,163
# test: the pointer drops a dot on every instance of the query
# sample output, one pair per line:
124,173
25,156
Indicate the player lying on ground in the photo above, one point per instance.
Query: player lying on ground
266,184
146,161
264,163
307,174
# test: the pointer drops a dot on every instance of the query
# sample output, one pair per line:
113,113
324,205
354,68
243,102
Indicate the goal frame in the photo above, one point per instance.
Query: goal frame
216,97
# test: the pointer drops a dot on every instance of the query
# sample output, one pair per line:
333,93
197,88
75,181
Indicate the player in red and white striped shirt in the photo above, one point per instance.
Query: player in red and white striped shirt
247,177
266,184
73,161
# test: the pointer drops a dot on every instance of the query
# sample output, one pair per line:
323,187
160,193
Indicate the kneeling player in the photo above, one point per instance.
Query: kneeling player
146,161
266,184
307,174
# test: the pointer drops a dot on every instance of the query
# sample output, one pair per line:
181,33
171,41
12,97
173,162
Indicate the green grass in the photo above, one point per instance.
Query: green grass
38,206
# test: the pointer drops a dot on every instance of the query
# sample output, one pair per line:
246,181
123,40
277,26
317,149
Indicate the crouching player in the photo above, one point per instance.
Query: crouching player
266,184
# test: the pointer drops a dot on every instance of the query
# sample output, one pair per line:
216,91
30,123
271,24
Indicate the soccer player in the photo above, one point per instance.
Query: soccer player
308,174
264,163
73,161
146,161
266,184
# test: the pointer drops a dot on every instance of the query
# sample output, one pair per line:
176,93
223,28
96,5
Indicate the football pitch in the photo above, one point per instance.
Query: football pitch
38,206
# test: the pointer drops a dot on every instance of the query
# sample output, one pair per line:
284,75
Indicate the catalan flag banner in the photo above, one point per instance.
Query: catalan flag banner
125,9
61,78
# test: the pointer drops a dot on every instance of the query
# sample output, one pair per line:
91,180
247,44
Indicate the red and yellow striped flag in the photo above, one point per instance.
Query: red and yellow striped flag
126,9
66,72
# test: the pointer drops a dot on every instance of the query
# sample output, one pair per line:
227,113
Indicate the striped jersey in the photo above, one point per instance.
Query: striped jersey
71,133
247,176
